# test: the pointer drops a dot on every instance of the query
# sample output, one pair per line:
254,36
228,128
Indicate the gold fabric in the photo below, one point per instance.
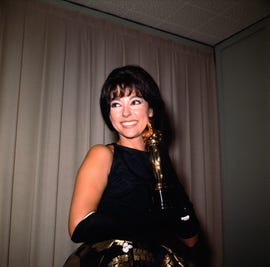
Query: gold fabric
123,253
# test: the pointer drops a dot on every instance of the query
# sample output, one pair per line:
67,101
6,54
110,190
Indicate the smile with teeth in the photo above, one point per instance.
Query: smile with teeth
128,123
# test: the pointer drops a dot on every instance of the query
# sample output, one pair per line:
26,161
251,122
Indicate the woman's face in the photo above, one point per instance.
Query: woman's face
129,115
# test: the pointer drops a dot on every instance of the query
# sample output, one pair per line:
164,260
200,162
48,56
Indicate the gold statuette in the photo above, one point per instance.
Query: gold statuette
152,139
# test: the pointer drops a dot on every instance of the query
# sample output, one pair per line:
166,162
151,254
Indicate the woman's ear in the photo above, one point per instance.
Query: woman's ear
150,113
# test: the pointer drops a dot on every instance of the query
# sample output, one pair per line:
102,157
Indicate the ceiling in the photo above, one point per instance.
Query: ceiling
205,21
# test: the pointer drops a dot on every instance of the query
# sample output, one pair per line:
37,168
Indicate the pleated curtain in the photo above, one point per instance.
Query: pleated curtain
53,61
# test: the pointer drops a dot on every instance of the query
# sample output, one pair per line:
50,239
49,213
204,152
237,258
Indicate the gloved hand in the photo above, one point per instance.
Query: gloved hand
179,220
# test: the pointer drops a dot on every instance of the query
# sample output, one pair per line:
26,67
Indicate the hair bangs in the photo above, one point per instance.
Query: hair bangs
124,90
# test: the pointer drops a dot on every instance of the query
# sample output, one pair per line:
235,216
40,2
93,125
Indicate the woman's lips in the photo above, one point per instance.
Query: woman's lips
128,123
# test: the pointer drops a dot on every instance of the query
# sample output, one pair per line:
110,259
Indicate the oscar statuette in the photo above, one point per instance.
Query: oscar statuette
161,197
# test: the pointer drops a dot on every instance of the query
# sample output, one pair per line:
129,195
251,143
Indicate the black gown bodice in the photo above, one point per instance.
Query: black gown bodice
130,183
130,188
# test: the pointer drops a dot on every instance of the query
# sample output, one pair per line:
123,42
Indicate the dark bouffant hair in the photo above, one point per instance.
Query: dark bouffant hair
127,79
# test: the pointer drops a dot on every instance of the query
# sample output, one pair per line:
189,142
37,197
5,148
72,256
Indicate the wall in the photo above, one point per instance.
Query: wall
243,69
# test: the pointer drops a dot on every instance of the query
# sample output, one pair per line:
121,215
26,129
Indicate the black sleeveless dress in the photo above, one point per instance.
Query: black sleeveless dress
130,183
128,196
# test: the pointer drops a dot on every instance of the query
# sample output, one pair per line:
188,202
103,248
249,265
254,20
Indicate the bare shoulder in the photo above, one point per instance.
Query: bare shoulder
100,150
99,155
96,164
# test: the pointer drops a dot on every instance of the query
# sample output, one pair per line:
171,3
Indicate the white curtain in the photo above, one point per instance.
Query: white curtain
53,61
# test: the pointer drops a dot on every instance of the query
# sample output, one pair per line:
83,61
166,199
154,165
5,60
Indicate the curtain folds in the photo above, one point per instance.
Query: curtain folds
53,61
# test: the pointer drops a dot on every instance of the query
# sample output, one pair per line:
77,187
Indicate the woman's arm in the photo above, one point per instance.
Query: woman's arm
90,184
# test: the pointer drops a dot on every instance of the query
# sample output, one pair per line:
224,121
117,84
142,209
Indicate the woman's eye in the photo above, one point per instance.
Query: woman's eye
115,104
136,102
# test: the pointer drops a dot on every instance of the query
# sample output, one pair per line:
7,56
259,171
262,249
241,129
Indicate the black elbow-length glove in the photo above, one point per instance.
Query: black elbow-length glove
99,227
150,227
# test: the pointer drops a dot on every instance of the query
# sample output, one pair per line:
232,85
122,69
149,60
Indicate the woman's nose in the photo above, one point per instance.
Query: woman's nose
126,111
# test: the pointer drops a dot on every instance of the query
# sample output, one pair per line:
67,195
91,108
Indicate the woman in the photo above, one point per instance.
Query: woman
112,209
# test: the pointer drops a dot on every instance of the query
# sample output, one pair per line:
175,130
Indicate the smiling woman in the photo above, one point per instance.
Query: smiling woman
129,116
113,209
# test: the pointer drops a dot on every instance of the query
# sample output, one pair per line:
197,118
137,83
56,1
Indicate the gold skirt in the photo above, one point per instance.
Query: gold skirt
123,253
